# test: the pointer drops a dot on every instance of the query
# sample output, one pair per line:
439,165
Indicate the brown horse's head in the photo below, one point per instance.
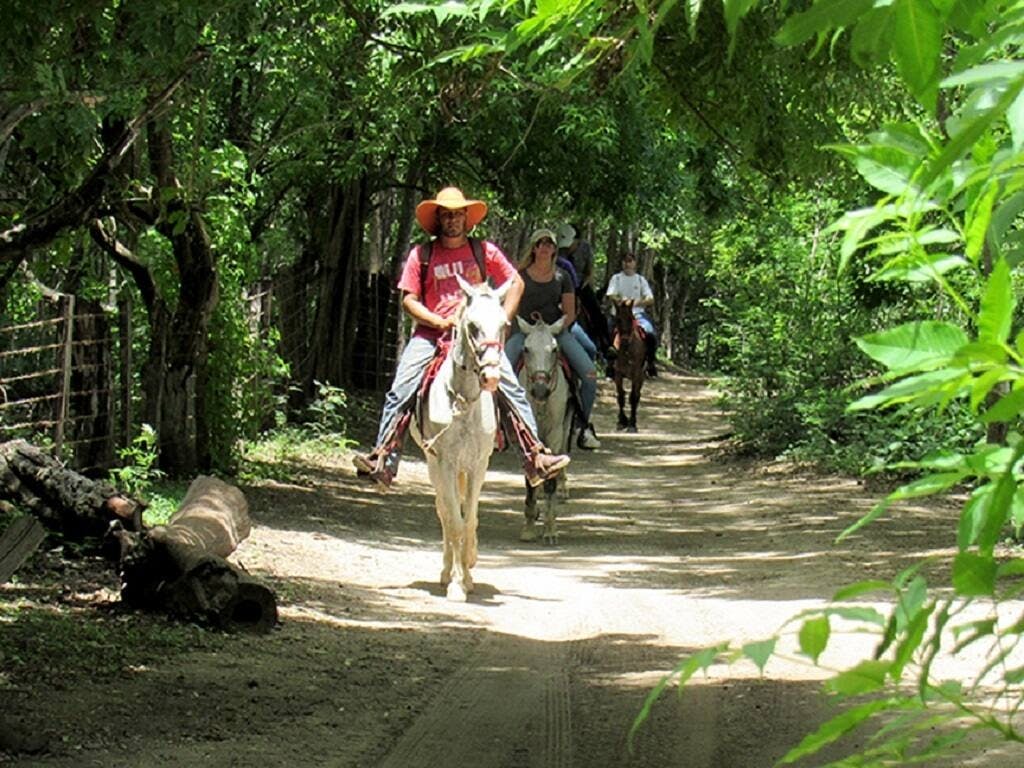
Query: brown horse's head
624,320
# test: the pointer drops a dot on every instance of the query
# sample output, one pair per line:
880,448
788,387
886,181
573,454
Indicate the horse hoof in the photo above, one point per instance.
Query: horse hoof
631,428
551,539
528,533
456,593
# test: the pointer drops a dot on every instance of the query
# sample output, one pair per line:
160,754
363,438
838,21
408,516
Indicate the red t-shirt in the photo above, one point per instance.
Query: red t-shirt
442,294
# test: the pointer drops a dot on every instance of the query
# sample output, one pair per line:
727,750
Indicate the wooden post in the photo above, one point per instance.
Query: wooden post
19,541
68,301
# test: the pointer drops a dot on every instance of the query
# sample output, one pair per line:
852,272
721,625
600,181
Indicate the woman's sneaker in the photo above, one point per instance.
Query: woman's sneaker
588,440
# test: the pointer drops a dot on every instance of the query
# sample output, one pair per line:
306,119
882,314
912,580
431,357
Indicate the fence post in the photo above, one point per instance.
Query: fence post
68,300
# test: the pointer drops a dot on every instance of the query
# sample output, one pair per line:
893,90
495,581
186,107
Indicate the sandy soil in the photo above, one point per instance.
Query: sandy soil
664,549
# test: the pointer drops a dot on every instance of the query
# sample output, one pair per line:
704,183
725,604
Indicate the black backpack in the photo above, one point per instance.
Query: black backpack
427,250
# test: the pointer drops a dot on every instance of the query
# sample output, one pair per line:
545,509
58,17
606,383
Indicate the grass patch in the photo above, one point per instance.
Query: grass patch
58,643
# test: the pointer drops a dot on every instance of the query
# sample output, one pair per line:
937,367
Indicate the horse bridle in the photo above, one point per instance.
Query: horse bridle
546,377
479,350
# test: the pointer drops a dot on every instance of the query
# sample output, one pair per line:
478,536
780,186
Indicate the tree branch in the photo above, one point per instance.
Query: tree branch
77,207
123,255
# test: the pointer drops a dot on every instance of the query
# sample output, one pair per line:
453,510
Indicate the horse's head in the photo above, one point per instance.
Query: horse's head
624,317
480,331
540,356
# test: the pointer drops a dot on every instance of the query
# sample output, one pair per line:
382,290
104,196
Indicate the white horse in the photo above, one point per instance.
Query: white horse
547,389
458,428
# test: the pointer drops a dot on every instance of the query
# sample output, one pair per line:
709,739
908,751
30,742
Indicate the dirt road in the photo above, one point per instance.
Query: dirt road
663,550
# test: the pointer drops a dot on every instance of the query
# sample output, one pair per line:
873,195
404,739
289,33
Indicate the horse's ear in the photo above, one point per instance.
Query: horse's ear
524,325
557,326
502,289
466,287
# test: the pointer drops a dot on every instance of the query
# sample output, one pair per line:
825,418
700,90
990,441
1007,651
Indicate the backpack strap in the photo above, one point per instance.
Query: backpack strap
427,250
477,246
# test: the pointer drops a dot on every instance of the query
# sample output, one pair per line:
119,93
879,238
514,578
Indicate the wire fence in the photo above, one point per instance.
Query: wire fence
58,381
68,378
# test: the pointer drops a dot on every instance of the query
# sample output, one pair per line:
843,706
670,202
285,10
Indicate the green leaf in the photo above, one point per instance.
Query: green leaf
911,639
872,38
916,46
843,723
978,218
970,132
1007,408
927,388
861,587
1015,119
972,632
1014,567
684,671
928,485
990,73
913,346
1005,213
997,305
759,652
910,601
870,517
734,11
974,575
857,613
866,677
821,17
985,514
814,636
987,381
886,168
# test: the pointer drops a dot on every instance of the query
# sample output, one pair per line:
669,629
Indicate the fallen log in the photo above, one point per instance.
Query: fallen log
62,499
181,568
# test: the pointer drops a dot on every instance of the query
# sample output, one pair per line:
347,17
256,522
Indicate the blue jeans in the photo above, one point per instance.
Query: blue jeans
409,373
580,362
581,336
646,324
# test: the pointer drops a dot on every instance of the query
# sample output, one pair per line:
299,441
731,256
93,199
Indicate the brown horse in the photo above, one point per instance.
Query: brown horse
630,363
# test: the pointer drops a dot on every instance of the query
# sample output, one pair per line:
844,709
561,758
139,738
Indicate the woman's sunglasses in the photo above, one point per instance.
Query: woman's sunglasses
545,241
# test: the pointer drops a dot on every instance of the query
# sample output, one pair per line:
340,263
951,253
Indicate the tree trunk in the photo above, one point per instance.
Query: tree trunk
180,567
178,389
61,498
331,348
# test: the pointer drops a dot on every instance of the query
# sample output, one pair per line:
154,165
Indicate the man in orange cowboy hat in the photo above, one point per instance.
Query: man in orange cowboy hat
431,296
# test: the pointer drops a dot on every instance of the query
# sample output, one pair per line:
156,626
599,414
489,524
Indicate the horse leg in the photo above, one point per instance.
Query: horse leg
634,401
529,531
562,490
620,394
453,532
550,503
470,509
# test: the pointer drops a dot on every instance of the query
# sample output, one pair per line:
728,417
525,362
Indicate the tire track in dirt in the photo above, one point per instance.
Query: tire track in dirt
484,715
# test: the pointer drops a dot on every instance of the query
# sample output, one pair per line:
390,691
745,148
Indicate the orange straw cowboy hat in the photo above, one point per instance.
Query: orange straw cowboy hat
449,197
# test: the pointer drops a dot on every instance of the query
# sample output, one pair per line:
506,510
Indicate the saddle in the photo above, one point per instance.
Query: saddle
437,398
